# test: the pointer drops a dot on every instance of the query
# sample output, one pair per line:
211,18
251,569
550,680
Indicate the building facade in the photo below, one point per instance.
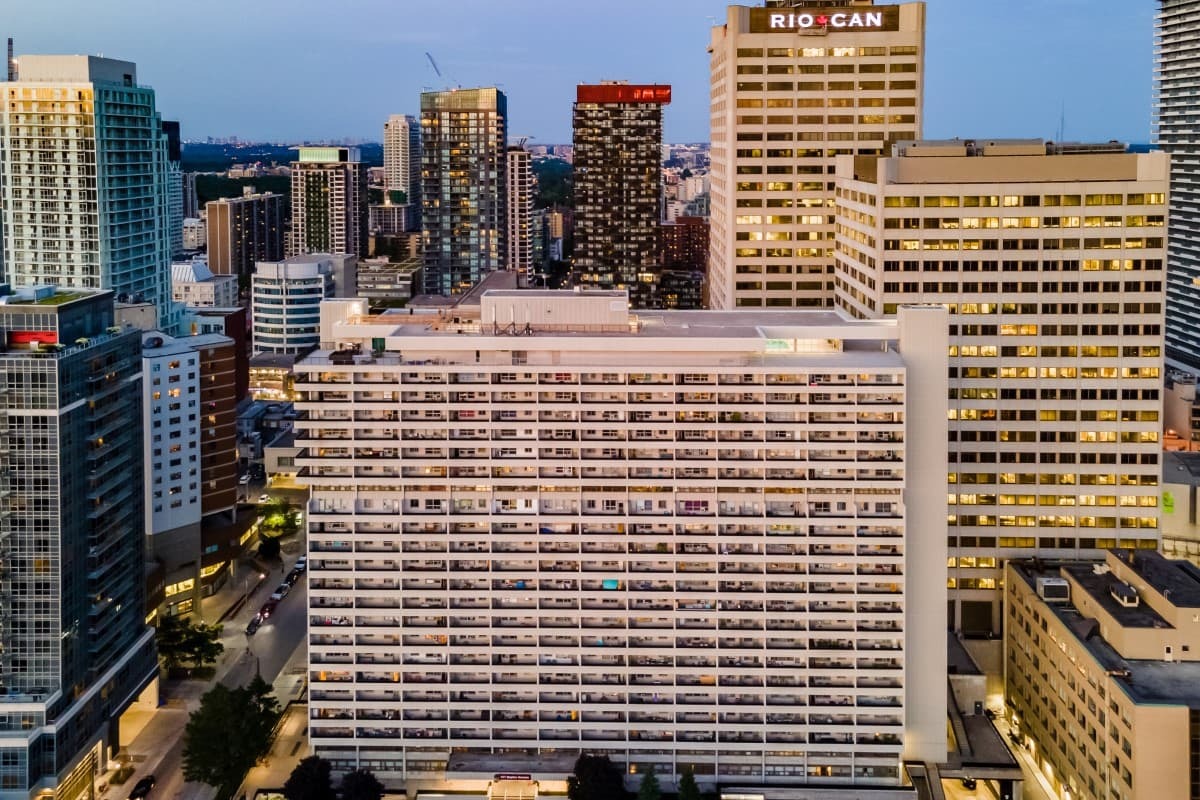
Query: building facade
673,538
194,284
1051,260
241,231
683,255
75,651
84,124
463,187
329,202
285,299
1176,106
794,85
402,158
618,134
1102,674
521,190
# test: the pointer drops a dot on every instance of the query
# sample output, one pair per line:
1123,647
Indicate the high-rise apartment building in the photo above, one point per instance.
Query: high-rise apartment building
1176,107
329,202
242,231
676,538
618,129
795,85
402,157
84,180
175,187
74,648
519,239
463,191
1051,259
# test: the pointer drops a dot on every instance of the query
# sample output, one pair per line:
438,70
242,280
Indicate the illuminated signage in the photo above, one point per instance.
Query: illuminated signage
623,93
827,20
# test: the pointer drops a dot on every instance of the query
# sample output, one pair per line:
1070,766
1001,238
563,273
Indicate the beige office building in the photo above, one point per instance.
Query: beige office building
794,85
675,538
1102,674
1051,260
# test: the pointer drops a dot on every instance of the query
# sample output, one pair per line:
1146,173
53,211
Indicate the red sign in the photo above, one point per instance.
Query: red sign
623,93
29,337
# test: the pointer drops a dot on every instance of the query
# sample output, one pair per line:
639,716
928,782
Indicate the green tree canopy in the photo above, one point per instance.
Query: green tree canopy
182,642
595,778
228,733
310,780
279,518
688,790
649,788
361,784
269,547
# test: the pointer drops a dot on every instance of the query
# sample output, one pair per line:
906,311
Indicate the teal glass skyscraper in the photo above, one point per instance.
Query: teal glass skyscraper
84,177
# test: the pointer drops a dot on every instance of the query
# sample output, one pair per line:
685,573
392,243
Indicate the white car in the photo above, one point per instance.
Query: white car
244,479
264,498
301,564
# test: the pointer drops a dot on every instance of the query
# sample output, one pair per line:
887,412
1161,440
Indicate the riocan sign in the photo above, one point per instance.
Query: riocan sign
824,20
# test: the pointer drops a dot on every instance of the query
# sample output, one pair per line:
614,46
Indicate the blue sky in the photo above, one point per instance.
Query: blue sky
287,70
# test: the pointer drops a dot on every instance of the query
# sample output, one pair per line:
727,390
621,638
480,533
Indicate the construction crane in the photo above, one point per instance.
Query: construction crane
433,64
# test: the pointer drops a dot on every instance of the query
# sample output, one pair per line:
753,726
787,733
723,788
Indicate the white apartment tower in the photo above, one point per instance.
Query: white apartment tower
1051,260
520,211
402,157
85,200
795,85
676,538
285,300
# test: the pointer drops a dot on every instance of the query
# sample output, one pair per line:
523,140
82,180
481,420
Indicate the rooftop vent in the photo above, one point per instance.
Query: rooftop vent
1124,594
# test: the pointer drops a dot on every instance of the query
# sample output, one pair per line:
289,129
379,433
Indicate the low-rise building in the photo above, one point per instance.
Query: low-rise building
1102,673
386,280
194,284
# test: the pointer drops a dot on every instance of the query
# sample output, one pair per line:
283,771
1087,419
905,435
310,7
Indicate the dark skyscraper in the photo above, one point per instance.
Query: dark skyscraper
618,188
74,647
463,185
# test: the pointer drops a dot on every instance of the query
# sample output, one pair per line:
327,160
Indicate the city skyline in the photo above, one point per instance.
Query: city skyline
974,86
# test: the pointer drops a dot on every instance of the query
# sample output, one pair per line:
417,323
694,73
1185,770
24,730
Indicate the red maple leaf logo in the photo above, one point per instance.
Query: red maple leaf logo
821,20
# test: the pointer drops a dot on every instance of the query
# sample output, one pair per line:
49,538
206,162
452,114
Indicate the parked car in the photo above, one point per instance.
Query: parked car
268,609
142,788
301,564
969,783
264,498
244,479
281,591
254,625
292,577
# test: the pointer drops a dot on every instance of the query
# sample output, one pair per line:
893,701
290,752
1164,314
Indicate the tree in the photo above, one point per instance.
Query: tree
279,518
361,784
182,642
595,778
687,789
649,790
228,733
310,780
269,547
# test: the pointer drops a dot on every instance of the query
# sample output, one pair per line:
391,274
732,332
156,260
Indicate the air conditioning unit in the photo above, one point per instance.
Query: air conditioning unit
1054,590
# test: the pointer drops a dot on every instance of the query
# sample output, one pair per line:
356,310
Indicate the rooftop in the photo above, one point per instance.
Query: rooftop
1099,586
1144,681
1180,466
1178,581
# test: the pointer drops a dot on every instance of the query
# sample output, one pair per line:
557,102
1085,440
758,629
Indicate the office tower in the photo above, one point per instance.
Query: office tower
243,231
329,202
1051,259
1102,673
659,537
463,167
1176,104
520,211
285,300
618,187
83,124
75,651
793,86
402,158
191,459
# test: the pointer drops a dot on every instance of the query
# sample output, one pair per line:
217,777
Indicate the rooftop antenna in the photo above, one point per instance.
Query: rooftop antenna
1062,121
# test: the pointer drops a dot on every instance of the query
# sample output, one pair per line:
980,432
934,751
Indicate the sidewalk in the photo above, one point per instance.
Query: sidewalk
291,735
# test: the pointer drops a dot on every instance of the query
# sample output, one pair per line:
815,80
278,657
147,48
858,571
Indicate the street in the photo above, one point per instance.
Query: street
158,748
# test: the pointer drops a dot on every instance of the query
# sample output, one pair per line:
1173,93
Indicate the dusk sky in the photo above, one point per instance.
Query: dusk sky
287,70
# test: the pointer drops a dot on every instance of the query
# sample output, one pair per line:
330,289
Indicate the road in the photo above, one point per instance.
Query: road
158,748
